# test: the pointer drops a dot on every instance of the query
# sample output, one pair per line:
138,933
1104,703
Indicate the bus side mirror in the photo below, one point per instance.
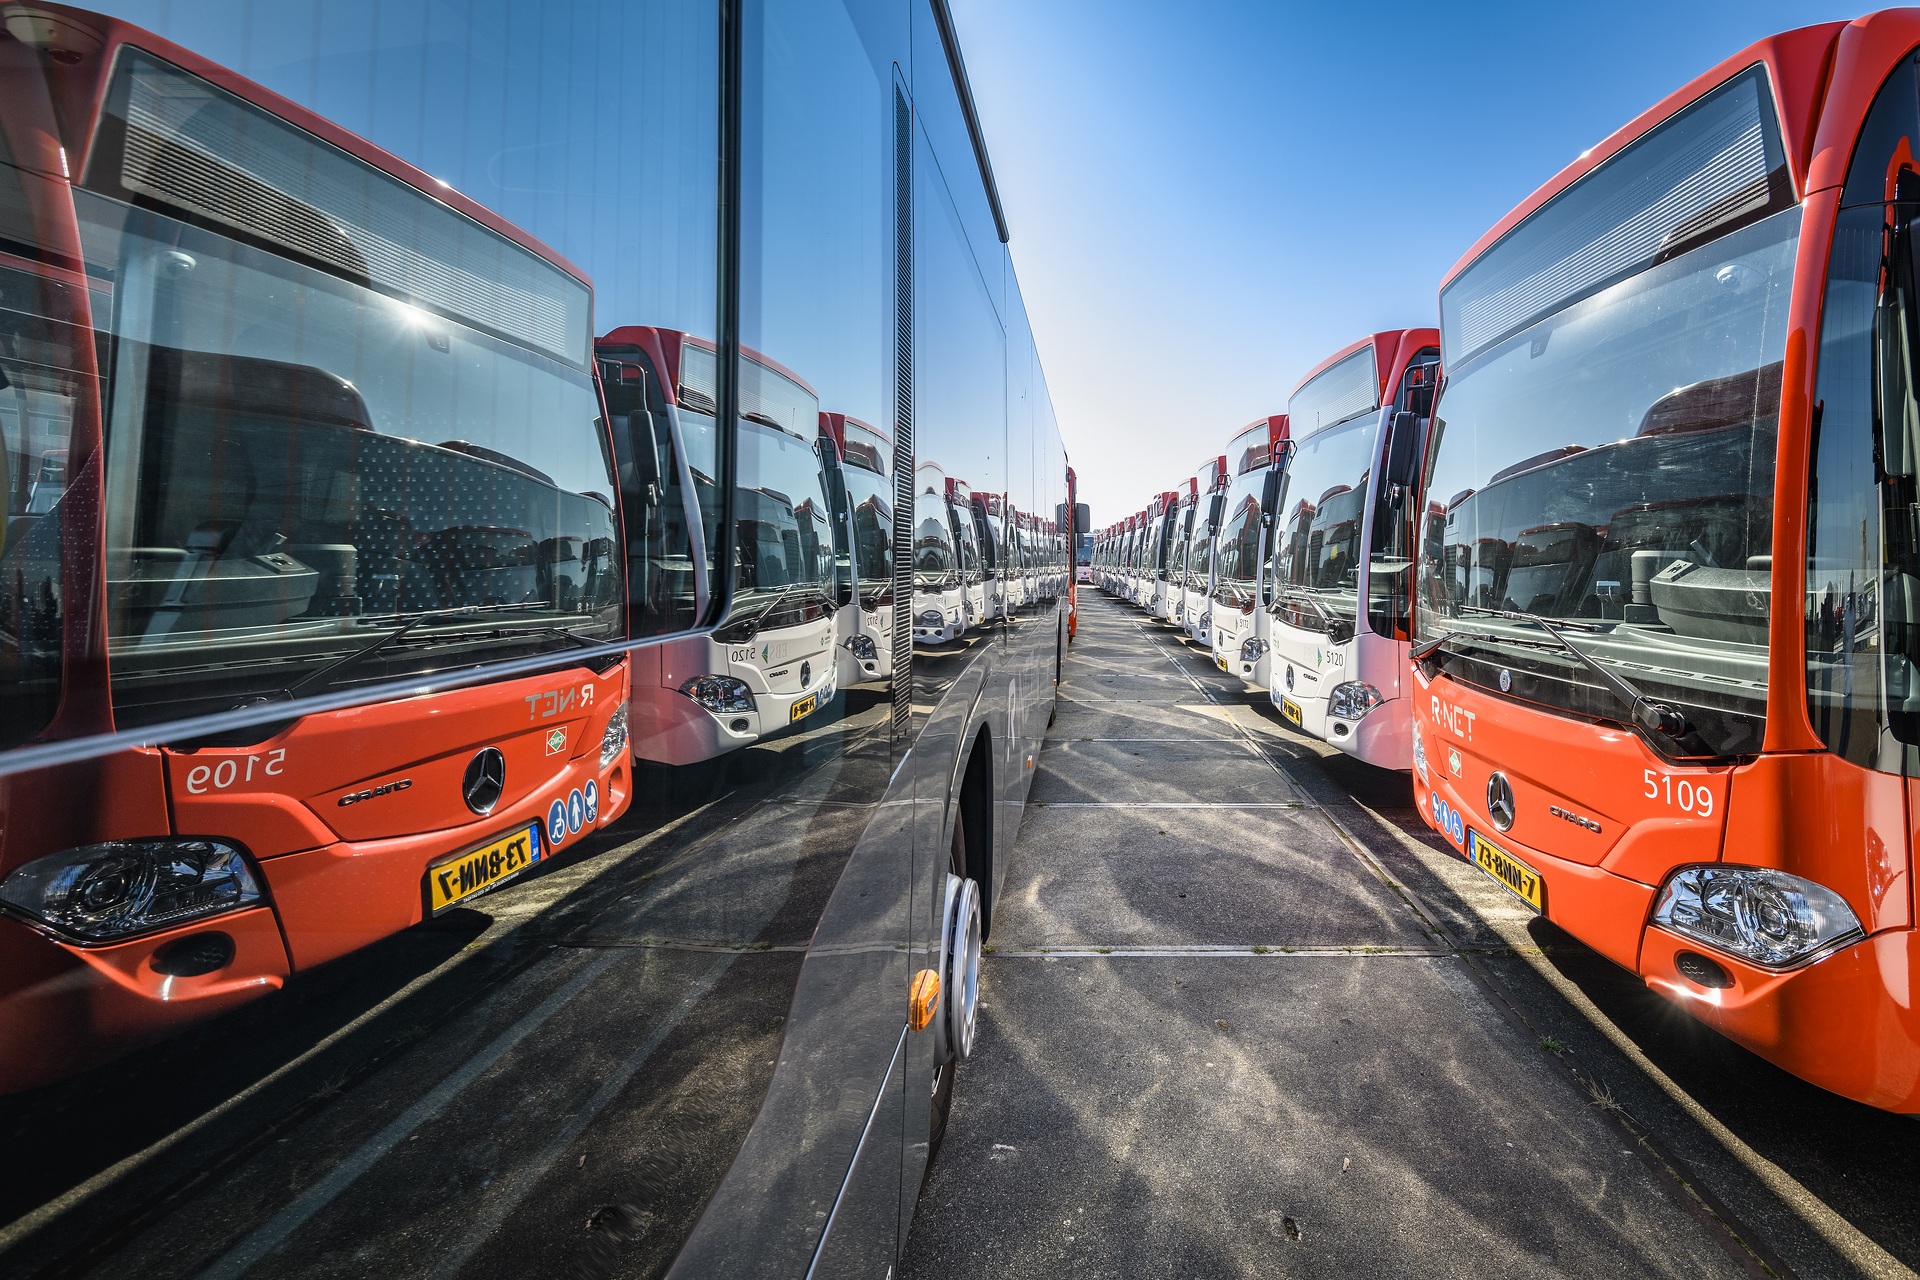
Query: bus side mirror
1403,450
1082,520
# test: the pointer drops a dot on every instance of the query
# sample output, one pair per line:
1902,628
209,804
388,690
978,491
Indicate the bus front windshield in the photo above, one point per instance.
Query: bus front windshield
1200,558
1612,466
1241,533
1317,548
302,470
783,565
784,556
871,498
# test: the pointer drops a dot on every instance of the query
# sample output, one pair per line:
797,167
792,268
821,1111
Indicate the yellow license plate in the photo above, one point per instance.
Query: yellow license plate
1290,709
463,875
802,708
1220,661
1519,878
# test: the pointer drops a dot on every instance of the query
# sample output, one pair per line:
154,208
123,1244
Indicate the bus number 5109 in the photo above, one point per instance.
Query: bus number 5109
1693,799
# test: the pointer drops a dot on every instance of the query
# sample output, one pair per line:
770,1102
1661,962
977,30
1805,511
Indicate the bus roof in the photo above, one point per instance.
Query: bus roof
1798,64
88,71
1392,348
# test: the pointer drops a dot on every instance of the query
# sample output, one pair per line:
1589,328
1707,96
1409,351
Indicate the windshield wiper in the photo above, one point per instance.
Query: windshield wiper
1326,616
315,681
1655,717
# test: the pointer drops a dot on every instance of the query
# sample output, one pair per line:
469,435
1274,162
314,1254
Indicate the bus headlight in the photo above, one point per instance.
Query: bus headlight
1353,699
1251,649
614,740
1419,752
862,647
719,694
106,892
1767,917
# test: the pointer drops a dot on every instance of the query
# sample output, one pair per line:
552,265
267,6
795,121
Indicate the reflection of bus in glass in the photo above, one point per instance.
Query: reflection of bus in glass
1241,640
269,438
1343,534
975,604
771,661
984,509
939,594
1664,650
859,463
1196,588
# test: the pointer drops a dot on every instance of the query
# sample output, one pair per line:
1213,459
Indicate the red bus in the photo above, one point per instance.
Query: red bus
1665,662
286,422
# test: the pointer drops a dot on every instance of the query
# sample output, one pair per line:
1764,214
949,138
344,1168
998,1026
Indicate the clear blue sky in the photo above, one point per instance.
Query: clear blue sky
1208,196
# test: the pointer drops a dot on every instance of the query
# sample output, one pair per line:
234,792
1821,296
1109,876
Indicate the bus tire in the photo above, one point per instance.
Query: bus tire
960,991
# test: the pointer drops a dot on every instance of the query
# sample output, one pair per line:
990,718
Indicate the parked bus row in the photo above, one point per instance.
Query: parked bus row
348,578
1287,558
1633,597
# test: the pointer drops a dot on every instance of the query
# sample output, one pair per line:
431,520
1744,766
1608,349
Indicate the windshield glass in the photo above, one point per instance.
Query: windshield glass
1317,549
783,538
871,498
935,566
785,544
1240,530
297,465
1614,463
1200,558
1336,393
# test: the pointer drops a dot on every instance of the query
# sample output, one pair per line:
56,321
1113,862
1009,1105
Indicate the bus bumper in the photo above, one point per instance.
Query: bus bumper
66,1008
673,729
1382,737
1847,1023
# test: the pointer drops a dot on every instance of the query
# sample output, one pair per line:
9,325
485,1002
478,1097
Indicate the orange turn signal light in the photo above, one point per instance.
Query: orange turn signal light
925,999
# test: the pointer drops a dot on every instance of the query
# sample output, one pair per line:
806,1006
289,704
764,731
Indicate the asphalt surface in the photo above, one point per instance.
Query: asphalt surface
1244,1016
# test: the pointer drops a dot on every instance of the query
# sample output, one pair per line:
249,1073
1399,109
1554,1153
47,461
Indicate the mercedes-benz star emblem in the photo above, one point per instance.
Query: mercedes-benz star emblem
1289,679
1506,681
806,674
1500,801
486,779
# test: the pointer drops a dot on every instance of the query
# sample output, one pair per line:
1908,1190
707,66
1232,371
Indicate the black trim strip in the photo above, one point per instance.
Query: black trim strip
943,19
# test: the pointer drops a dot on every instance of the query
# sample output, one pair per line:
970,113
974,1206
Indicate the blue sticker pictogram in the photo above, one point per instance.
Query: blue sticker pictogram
593,802
557,823
576,812
1448,819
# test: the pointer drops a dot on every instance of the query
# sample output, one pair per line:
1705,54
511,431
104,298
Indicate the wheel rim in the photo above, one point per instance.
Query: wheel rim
963,968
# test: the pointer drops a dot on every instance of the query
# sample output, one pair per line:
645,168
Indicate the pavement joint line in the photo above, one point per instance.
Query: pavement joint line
1740,1242
1164,804
1255,952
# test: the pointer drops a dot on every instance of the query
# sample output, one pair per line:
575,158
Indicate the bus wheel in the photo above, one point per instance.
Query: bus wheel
960,942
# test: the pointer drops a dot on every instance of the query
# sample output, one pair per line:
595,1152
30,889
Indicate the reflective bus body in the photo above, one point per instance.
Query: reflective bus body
245,467
1342,536
1242,627
1664,646
859,461
772,661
